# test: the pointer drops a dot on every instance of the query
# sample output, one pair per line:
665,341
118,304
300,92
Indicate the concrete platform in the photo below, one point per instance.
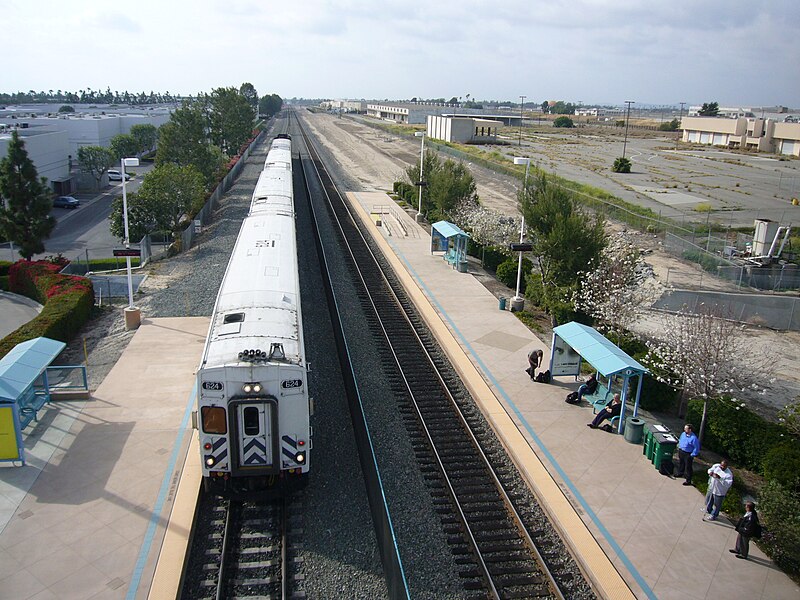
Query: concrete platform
649,526
85,518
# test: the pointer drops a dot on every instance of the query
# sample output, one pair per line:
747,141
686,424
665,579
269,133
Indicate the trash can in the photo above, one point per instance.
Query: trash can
502,303
665,444
648,443
634,426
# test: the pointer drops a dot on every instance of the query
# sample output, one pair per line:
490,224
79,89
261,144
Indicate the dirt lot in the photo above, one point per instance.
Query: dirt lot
373,160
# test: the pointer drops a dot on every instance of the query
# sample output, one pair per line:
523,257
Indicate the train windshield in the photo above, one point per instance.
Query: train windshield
251,421
214,420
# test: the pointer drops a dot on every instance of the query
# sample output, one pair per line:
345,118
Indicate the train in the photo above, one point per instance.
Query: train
253,404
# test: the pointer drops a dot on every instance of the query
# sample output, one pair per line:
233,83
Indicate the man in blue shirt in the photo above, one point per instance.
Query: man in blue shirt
688,448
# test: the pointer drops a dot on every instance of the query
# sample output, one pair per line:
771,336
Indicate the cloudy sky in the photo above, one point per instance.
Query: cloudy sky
596,51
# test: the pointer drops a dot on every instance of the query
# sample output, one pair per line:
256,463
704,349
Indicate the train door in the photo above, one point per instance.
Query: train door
254,420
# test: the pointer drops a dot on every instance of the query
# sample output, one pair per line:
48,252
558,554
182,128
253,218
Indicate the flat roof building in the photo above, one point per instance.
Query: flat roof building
49,152
462,130
764,135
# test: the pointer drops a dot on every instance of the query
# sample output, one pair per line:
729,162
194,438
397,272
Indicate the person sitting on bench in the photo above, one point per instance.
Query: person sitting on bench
590,387
609,412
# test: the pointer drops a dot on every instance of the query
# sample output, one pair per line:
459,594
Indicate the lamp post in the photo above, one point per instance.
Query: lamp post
521,106
680,125
627,118
420,134
132,314
518,302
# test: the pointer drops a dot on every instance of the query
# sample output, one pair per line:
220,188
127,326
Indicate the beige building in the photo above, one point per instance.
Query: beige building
463,130
763,135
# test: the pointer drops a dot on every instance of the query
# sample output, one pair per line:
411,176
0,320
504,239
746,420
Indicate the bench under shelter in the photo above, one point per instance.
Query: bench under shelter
452,240
24,390
574,343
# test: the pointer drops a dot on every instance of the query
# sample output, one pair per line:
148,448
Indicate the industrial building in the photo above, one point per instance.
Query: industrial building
763,135
462,130
49,152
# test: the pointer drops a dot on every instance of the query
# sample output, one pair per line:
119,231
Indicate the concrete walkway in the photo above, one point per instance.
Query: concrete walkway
649,525
85,517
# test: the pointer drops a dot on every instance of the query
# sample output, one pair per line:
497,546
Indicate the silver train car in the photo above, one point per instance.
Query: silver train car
252,393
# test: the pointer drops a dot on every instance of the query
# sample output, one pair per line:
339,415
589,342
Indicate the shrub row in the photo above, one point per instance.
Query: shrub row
491,256
67,300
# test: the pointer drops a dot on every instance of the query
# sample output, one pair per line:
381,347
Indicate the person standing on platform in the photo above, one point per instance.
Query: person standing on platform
534,362
688,448
720,480
747,527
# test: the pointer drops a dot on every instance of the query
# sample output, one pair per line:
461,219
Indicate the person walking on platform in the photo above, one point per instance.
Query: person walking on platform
747,527
534,362
720,480
688,448
609,412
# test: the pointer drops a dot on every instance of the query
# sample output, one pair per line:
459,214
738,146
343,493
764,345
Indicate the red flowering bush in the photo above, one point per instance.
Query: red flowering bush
67,300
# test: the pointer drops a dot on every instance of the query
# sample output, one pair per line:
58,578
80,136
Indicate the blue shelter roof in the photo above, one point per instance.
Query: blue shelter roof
448,230
595,349
20,368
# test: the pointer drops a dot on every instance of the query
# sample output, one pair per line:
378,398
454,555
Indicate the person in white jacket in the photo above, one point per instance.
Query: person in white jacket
720,480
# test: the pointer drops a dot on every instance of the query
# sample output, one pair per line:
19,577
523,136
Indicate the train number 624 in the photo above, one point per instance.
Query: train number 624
291,383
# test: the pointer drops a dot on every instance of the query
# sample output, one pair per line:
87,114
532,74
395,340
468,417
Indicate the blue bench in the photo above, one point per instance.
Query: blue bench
599,399
29,406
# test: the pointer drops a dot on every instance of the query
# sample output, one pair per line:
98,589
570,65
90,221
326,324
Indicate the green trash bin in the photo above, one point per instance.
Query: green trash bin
665,445
634,426
502,303
647,446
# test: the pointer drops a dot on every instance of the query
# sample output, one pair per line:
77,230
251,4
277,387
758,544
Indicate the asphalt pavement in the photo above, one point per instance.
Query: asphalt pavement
15,311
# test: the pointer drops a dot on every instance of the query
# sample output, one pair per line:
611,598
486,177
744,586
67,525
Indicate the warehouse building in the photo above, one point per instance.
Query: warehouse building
462,130
763,135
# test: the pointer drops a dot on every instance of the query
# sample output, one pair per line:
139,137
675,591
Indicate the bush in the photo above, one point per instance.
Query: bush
621,165
67,300
563,122
507,273
4,283
782,464
779,511
4,266
735,432
491,256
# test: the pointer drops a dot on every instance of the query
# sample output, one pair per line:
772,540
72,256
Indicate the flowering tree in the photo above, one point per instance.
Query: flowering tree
612,291
707,357
487,227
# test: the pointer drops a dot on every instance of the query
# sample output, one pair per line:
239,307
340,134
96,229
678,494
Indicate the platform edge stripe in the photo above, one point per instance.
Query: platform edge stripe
147,543
169,568
599,569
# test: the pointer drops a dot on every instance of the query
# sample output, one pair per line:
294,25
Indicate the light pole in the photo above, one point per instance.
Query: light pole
627,119
518,302
521,106
132,314
420,183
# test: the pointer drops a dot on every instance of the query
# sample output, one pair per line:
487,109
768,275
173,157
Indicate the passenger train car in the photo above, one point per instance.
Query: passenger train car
252,394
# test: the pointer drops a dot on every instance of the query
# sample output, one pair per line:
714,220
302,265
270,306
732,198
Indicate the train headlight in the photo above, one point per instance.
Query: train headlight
254,388
300,458
210,461
247,388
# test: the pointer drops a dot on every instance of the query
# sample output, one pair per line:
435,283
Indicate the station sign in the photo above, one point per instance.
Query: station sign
127,252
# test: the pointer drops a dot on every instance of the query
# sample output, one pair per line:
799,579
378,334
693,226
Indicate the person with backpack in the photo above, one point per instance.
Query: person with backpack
720,480
747,527
535,357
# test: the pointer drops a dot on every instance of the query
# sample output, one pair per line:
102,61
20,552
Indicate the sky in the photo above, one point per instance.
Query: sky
734,52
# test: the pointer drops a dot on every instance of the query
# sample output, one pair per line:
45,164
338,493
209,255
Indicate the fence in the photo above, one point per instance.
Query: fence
204,216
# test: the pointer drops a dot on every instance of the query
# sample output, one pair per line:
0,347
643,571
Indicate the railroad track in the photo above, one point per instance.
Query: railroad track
245,549
498,554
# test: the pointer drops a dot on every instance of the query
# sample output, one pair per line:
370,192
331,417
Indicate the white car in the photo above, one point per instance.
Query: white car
114,175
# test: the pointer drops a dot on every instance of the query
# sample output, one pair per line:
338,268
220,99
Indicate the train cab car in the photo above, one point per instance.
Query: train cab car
252,393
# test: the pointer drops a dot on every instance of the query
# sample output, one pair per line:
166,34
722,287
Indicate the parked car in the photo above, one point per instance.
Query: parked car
114,175
66,202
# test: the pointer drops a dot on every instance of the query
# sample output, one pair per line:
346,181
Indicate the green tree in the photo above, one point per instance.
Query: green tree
621,165
124,145
183,141
709,109
249,92
25,215
95,160
66,109
270,105
670,126
565,239
231,119
169,194
545,107
146,136
563,122
447,184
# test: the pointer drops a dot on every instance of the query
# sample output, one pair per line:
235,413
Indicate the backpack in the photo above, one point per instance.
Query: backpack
667,467
543,377
572,398
757,531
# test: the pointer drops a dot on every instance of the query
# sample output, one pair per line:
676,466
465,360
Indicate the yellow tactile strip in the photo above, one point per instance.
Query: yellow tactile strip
593,561
167,578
